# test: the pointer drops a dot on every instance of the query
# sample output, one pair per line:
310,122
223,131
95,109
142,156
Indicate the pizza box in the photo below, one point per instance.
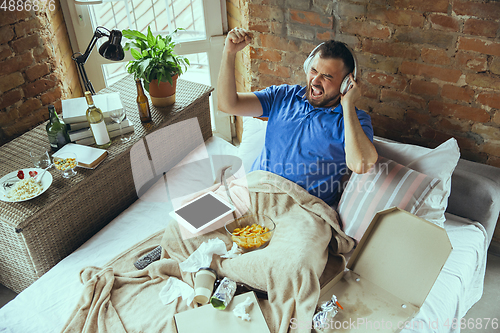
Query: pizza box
208,319
389,274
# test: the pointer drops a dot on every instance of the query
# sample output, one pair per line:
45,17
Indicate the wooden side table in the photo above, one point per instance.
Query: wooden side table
36,234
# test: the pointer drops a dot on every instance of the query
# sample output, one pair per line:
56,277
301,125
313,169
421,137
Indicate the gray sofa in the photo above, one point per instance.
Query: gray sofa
475,194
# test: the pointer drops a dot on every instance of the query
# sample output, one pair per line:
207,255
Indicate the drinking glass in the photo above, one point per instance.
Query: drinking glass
117,116
40,158
66,163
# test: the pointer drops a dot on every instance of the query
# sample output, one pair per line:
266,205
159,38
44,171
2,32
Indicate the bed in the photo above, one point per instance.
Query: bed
471,216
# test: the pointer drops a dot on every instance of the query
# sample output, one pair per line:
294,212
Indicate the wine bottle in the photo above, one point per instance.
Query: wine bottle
56,130
97,124
142,103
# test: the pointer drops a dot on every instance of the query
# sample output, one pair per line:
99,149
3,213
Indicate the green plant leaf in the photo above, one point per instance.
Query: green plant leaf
149,73
151,38
130,67
142,45
167,57
167,76
161,43
154,56
136,54
133,34
167,39
143,65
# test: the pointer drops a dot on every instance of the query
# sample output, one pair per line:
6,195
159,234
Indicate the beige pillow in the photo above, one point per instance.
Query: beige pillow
252,141
387,184
439,162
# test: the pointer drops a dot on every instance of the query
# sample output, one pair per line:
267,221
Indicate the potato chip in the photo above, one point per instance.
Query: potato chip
251,236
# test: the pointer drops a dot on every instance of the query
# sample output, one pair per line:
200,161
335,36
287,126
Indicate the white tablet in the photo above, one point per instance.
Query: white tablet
202,212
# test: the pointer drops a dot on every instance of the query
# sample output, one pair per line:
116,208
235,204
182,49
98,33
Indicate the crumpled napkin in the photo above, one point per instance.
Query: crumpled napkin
175,288
233,253
240,310
202,257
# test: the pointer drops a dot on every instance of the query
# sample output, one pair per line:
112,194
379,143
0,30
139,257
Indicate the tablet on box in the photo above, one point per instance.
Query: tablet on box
202,212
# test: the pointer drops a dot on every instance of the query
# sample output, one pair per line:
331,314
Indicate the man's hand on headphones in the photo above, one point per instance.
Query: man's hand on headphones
237,39
352,95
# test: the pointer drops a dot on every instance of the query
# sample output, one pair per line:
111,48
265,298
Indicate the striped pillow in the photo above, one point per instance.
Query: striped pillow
386,185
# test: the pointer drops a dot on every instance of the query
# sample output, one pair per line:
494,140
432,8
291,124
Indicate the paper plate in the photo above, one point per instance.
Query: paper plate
8,181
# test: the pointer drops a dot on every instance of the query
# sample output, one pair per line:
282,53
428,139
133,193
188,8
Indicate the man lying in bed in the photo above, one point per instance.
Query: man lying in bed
314,133
309,127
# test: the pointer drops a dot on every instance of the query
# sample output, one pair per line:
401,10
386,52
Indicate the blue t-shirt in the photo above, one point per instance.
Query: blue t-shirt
305,144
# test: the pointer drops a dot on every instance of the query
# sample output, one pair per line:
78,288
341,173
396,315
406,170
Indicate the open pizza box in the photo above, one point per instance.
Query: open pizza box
207,319
389,275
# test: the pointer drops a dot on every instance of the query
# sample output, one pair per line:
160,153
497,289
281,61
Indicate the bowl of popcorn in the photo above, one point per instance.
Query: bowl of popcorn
66,163
251,232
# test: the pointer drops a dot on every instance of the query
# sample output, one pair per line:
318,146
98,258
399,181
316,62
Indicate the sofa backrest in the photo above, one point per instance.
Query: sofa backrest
475,194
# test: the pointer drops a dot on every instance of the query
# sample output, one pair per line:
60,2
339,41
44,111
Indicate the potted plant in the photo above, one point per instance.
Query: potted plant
156,63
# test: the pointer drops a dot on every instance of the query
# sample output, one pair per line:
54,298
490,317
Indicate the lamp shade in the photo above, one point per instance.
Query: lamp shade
112,49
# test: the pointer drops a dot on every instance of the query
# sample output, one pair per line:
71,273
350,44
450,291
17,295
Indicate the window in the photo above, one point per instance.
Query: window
202,40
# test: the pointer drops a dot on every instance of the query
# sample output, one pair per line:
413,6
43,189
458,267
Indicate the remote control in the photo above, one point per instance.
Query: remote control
148,258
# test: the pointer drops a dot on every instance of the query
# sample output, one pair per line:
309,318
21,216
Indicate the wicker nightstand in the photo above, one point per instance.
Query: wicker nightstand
36,234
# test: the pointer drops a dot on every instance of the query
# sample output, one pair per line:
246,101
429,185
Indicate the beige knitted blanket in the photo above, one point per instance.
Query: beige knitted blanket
120,298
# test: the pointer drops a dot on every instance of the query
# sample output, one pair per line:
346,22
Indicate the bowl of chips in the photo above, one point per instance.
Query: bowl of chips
251,232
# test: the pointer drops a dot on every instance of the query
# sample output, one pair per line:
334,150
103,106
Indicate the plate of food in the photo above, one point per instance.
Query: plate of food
21,185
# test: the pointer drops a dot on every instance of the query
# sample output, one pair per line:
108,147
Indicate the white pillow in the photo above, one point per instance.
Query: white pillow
439,162
252,141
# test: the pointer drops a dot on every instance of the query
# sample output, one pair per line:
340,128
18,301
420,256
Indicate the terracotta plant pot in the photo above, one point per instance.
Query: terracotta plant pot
163,94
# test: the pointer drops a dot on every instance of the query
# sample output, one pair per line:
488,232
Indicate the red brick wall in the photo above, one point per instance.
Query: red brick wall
430,69
35,68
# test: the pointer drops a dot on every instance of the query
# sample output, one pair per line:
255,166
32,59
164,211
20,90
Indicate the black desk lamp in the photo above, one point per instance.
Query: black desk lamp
111,50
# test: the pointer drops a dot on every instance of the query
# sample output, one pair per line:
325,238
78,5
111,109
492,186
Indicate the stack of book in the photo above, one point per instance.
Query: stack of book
74,116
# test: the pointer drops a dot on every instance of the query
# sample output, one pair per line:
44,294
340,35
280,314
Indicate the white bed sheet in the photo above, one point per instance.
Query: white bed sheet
46,305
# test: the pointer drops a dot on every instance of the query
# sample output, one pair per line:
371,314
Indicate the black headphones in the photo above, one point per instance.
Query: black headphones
346,83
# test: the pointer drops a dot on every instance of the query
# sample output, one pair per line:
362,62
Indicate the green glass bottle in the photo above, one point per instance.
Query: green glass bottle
56,130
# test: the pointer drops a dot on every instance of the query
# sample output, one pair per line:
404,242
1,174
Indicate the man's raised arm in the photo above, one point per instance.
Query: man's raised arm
359,150
229,100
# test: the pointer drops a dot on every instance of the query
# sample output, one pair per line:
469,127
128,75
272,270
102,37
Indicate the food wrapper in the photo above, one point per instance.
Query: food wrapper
326,313
224,294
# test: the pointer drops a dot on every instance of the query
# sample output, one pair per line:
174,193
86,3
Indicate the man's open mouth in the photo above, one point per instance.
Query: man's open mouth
315,92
